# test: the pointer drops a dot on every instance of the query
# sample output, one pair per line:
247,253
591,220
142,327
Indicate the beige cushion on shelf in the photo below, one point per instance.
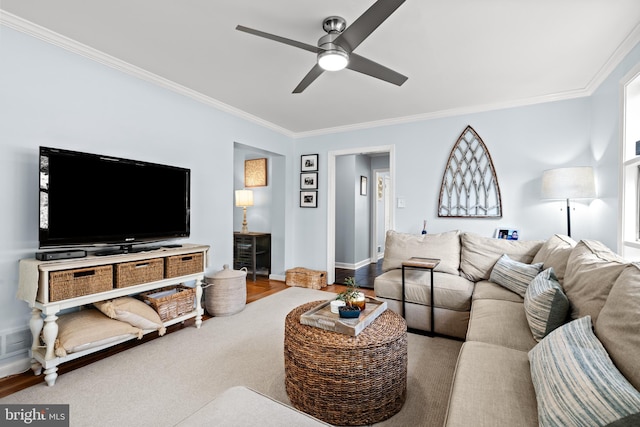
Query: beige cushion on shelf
618,326
134,312
399,247
555,253
492,387
90,328
592,270
502,323
479,254
449,291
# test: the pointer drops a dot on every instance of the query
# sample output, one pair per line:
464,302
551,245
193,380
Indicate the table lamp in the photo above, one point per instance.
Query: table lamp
244,198
569,183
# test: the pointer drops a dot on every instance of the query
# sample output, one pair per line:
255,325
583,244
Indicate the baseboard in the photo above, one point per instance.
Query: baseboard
355,266
277,277
15,366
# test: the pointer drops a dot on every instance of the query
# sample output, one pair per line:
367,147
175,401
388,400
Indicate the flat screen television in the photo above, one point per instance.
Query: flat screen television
94,200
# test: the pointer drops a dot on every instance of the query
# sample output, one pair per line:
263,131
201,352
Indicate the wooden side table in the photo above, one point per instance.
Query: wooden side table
417,263
345,380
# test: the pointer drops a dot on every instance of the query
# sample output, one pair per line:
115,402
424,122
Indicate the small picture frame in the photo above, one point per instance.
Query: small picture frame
363,185
308,162
308,199
506,233
309,181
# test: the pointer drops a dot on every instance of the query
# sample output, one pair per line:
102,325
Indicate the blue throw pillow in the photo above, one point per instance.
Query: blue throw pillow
545,305
576,382
514,275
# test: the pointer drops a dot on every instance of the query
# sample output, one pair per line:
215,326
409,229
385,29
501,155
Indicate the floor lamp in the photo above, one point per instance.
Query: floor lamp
568,183
244,198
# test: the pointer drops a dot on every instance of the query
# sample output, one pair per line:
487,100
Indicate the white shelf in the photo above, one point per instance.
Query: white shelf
37,274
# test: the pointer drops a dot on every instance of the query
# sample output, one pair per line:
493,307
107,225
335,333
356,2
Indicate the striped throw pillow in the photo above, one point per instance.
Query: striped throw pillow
545,305
575,381
514,275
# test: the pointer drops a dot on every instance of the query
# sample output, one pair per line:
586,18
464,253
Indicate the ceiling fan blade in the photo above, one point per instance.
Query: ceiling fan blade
367,23
309,78
373,69
284,40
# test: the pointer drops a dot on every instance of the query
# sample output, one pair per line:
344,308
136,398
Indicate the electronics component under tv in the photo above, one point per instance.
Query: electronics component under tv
94,200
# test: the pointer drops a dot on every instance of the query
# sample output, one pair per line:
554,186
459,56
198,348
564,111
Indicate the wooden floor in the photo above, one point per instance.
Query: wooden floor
364,275
261,288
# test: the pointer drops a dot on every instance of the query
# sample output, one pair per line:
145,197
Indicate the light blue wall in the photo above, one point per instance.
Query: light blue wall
52,97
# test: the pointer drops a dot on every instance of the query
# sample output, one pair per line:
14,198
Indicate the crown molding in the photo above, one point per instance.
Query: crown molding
37,31
44,34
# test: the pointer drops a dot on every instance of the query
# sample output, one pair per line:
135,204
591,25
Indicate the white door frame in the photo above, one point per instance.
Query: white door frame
376,214
331,197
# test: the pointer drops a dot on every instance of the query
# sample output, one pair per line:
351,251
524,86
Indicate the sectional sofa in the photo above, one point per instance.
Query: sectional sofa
551,328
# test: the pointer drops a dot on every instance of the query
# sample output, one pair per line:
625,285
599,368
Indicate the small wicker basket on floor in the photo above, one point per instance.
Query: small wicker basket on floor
305,278
226,292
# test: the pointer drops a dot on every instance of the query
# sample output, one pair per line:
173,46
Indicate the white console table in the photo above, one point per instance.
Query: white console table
34,289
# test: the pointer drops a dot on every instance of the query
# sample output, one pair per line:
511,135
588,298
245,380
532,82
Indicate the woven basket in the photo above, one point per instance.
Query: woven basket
226,292
67,284
171,301
305,278
135,273
182,265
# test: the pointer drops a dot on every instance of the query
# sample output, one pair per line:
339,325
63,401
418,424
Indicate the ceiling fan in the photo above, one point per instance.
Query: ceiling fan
335,49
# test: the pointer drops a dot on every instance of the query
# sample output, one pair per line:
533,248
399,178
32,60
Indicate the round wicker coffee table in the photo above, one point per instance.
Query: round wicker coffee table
345,380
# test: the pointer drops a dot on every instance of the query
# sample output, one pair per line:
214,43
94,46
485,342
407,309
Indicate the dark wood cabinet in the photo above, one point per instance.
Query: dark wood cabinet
253,251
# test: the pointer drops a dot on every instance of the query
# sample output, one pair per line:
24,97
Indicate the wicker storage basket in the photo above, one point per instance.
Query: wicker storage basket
135,273
305,278
67,284
171,301
226,292
181,265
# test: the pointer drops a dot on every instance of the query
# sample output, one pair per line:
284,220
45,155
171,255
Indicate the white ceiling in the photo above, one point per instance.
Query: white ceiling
460,55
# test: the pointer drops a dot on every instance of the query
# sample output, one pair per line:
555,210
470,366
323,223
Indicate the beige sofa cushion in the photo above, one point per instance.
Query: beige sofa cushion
592,270
399,247
485,289
479,254
502,323
450,291
555,253
492,387
618,326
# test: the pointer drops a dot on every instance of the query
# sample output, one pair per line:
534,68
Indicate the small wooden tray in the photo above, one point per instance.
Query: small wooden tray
322,317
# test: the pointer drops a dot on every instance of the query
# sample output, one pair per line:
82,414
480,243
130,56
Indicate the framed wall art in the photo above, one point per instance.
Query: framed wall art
308,162
308,199
309,181
255,173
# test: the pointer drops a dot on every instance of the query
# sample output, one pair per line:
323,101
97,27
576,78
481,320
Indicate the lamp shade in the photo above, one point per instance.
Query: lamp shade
244,198
568,183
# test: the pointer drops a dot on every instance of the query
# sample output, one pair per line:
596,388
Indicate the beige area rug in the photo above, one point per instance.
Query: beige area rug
165,380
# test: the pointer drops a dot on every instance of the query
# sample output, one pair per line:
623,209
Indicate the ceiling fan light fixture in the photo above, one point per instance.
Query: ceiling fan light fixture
333,60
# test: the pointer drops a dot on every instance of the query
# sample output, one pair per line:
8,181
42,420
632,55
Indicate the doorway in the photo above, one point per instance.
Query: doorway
331,198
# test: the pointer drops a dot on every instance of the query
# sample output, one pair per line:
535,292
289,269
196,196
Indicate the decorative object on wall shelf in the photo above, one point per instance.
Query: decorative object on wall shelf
363,185
569,183
308,162
308,199
255,173
469,184
244,198
309,181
